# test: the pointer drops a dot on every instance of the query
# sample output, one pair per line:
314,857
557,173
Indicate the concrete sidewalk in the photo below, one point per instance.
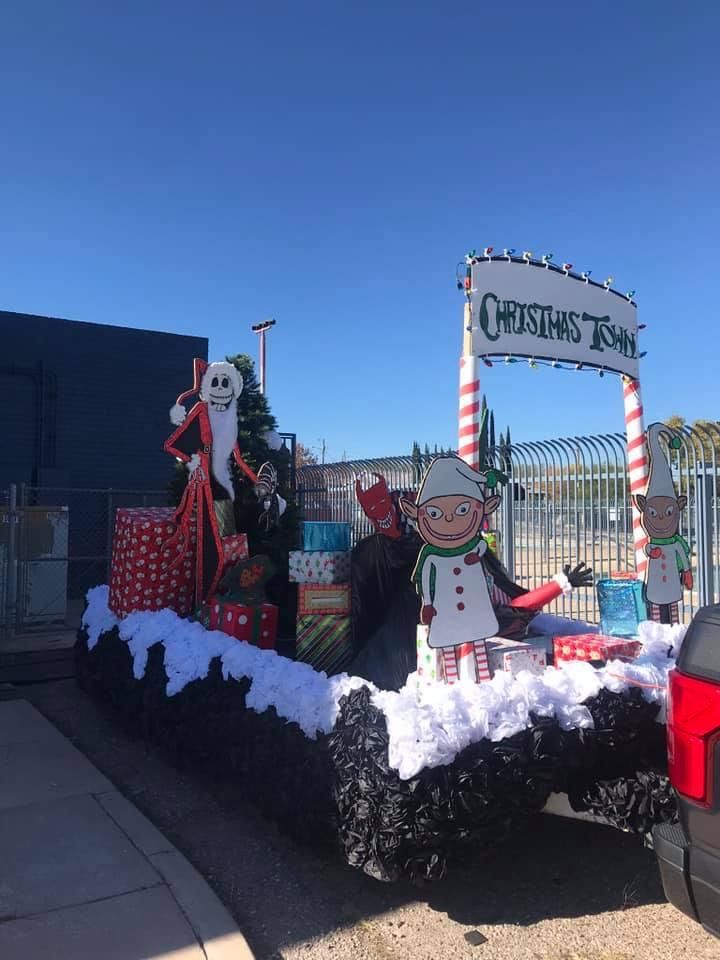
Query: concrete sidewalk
83,874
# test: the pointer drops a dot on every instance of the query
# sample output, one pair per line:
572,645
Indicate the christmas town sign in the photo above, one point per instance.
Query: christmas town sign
522,308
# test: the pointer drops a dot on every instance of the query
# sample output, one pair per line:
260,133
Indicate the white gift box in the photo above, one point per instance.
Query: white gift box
512,656
319,566
429,659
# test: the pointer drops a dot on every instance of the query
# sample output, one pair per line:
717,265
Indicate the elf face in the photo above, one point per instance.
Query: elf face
661,516
450,521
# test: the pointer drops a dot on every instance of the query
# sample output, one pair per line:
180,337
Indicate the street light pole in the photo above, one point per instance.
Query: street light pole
261,329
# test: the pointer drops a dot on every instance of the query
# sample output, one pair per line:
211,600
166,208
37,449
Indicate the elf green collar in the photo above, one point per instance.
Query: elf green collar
666,541
431,551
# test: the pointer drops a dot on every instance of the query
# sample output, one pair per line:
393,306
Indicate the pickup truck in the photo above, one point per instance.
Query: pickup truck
688,852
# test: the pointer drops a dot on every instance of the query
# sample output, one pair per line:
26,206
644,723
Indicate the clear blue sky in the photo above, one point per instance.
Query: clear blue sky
199,167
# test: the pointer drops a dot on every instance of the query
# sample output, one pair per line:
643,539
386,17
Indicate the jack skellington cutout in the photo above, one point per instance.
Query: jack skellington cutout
206,440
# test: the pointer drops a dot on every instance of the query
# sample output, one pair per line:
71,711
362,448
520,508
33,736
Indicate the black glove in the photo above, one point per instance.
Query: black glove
580,576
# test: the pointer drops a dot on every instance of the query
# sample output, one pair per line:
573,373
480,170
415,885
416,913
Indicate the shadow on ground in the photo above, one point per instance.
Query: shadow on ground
281,894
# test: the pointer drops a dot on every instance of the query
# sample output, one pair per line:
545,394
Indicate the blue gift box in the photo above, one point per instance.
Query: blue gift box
621,607
319,535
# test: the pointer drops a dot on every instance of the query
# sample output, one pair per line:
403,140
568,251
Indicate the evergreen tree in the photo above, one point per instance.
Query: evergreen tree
417,462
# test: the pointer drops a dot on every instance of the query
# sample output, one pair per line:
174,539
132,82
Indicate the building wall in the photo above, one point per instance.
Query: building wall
86,405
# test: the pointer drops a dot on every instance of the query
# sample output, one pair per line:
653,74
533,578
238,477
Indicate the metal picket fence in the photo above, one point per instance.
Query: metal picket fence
566,500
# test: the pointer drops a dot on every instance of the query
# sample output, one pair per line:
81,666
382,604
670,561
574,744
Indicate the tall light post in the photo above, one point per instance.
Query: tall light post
261,329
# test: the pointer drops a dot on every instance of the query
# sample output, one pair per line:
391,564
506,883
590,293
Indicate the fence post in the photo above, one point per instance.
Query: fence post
508,527
12,561
704,538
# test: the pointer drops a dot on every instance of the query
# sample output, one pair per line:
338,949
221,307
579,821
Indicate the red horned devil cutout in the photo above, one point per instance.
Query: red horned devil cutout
379,507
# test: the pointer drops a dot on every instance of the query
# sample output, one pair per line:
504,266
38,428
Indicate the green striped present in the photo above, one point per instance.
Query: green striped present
324,642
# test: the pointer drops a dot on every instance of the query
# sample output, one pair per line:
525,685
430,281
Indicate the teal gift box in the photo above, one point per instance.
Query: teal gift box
622,606
318,535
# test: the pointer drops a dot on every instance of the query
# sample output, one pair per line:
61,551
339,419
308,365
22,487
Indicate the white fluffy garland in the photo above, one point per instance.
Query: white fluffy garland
428,725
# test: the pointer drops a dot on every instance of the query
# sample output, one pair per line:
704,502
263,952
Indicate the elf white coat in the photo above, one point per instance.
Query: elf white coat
668,561
458,591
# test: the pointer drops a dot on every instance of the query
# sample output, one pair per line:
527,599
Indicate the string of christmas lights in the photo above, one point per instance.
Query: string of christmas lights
546,260
534,363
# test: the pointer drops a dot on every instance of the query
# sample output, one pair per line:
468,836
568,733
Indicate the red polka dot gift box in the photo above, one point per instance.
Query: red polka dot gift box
256,624
594,647
235,548
144,575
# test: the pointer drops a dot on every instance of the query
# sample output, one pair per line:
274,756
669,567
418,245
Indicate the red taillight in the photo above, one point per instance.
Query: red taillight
693,719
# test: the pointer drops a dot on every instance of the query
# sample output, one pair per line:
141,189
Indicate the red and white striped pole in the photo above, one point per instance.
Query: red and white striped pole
637,462
469,406
470,659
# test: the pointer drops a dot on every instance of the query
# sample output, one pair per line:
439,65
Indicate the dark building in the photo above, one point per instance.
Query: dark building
86,405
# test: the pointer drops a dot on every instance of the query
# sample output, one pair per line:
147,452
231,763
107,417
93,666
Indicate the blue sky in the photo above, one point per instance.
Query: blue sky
199,167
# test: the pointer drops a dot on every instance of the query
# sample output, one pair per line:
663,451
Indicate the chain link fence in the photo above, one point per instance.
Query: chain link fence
56,543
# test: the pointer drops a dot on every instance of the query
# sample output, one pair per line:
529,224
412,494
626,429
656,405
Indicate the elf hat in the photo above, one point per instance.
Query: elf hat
660,482
451,476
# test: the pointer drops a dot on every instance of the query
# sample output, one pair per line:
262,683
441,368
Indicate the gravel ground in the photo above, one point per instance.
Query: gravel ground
566,891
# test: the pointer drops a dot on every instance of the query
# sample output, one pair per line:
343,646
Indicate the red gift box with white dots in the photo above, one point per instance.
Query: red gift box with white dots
141,573
594,646
254,624
235,548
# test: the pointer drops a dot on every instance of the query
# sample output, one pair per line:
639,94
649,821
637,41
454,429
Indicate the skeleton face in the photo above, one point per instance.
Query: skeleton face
221,385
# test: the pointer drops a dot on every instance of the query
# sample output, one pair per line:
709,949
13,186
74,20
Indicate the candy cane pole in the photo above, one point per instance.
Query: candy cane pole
637,462
469,451
469,406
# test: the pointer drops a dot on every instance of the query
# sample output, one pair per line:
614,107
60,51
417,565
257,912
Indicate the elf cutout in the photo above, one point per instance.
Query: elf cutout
449,511
668,569
450,575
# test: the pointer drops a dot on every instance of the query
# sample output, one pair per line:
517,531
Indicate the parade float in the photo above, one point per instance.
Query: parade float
427,707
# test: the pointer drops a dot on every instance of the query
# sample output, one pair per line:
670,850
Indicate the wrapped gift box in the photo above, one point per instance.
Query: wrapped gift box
325,642
512,656
144,575
326,536
323,598
594,646
621,604
254,624
319,566
235,547
429,659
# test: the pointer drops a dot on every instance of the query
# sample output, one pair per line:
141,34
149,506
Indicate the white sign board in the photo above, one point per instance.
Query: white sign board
522,309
